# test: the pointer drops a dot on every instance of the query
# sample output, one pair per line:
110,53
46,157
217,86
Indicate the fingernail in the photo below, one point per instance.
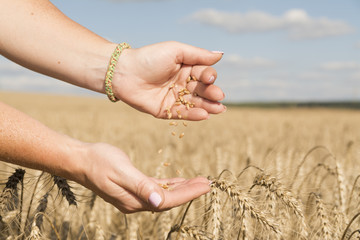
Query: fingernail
225,108
211,79
210,182
155,199
221,52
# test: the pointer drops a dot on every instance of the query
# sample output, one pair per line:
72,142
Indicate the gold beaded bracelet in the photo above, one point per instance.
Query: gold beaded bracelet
110,71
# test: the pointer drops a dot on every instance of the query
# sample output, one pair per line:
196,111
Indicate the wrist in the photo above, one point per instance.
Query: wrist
96,66
73,165
111,70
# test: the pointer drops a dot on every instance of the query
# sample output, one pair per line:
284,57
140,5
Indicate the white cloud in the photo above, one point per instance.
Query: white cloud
339,66
296,22
246,63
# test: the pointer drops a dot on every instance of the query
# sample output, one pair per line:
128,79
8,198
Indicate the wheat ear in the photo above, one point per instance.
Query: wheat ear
65,189
276,188
322,216
215,208
244,203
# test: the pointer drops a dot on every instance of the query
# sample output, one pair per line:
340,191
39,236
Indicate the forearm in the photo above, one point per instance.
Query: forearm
35,34
27,142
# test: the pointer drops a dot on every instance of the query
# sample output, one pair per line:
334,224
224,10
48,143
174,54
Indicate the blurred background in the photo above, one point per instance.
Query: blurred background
274,50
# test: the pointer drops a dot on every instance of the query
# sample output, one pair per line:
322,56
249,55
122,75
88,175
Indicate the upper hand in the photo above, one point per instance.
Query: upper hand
149,79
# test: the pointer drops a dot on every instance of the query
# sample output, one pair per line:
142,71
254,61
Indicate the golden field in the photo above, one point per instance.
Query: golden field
277,174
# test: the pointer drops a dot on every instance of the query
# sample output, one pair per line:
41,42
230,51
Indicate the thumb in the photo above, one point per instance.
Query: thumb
148,191
191,55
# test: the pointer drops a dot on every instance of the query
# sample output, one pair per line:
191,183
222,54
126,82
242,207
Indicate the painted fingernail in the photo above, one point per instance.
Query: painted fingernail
221,52
211,79
155,199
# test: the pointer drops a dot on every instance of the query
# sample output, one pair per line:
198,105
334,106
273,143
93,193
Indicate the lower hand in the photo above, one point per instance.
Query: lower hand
110,174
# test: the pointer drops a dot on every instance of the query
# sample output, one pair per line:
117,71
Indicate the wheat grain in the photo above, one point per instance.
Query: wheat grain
173,123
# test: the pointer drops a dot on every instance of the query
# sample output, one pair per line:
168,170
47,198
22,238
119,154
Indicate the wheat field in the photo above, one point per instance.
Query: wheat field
276,174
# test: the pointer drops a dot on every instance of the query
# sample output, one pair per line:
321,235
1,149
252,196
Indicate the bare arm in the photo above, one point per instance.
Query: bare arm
29,143
36,35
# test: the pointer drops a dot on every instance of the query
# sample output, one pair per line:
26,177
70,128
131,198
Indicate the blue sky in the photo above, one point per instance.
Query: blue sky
274,50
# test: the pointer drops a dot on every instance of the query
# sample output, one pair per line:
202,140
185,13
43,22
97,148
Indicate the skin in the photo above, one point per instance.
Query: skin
65,50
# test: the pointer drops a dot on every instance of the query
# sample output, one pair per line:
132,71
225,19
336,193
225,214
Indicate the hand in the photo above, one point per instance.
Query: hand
144,76
110,174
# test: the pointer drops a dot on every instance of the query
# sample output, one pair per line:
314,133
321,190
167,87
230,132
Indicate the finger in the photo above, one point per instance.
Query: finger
168,181
209,92
191,55
204,74
185,192
192,114
124,200
209,106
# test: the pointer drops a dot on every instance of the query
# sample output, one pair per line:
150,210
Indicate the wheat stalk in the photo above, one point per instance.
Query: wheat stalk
351,193
304,160
41,209
31,201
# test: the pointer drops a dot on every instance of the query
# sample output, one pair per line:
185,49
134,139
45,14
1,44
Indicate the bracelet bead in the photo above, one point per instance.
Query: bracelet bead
111,68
